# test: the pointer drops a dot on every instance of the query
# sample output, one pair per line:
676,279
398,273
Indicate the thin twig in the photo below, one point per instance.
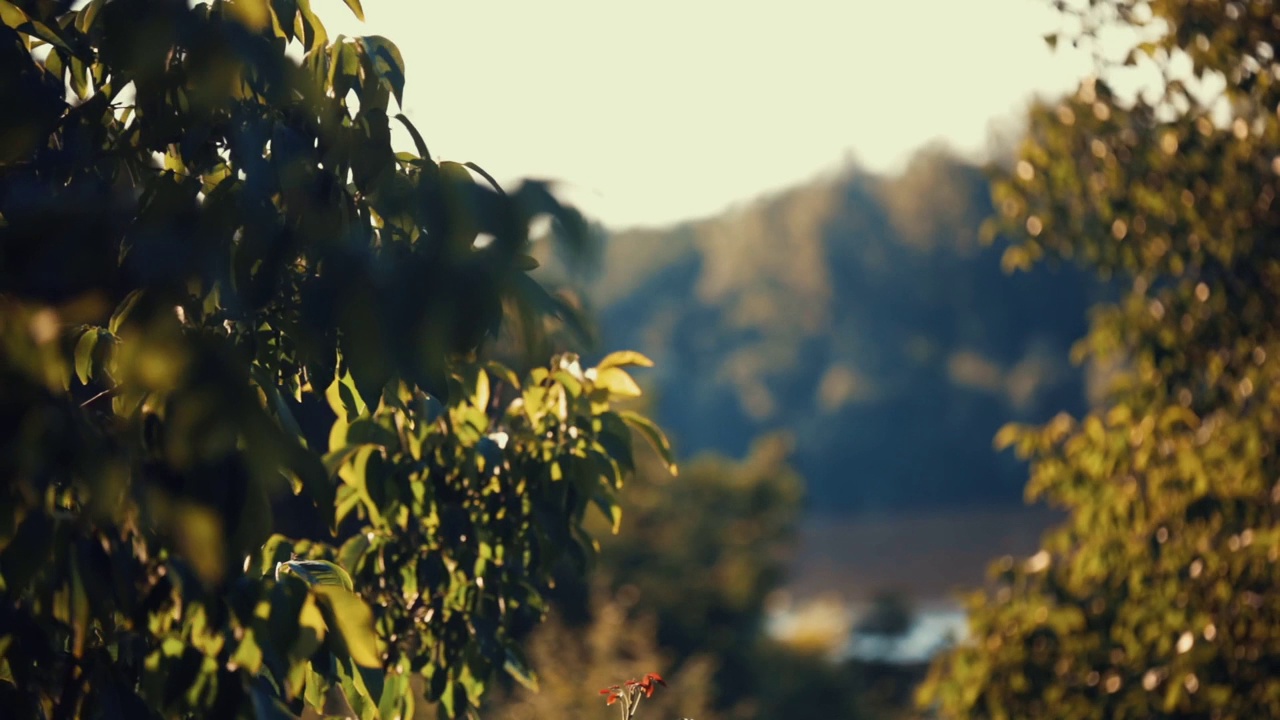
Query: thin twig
88,402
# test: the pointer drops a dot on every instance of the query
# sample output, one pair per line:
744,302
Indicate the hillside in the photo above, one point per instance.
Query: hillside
862,315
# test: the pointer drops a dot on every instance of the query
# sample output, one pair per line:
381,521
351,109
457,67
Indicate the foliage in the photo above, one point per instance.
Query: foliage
573,661
703,554
1158,597
688,576
220,283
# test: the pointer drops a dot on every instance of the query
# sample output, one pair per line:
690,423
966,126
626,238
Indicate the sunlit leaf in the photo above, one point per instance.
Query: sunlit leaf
84,355
347,615
356,9
617,382
623,358
316,572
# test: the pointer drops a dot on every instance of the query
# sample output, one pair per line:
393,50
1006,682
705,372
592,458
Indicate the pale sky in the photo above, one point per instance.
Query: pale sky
667,110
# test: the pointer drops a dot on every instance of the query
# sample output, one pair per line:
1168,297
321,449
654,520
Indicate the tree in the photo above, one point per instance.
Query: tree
575,662
1158,597
694,566
221,288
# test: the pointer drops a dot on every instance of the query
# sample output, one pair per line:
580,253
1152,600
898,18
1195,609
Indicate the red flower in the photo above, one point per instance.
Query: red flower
649,683
612,692
646,686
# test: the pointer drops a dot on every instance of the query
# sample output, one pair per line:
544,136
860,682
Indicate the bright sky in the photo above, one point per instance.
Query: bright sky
672,109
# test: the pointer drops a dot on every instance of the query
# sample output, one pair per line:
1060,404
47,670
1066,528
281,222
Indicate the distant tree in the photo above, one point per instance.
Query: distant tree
220,285
1159,596
694,566
575,662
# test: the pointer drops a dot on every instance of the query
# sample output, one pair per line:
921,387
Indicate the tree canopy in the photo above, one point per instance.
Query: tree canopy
1158,597
229,306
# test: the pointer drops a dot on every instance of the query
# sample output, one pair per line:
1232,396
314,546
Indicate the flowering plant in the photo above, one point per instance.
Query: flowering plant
630,693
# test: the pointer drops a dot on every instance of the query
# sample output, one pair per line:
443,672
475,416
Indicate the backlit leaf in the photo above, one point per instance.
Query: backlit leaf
316,572
654,435
348,616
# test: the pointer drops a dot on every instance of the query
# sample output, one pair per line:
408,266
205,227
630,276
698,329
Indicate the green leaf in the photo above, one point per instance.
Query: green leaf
350,618
569,227
654,435
84,355
88,14
275,401
335,459
316,573
344,67
121,313
79,78
518,668
609,507
343,398
364,341
275,550
316,482
266,706
356,9
418,142
11,15
14,17
480,395
284,14
485,174
248,654
56,65
394,689
617,382
313,33
387,65
503,373
254,14
1006,436
355,473
622,358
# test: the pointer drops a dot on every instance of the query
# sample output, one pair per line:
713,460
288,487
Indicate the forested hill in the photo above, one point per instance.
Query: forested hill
862,315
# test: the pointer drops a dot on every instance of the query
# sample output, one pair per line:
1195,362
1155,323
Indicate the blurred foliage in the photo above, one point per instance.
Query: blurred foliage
703,553
860,314
221,288
682,589
575,662
890,616
1158,597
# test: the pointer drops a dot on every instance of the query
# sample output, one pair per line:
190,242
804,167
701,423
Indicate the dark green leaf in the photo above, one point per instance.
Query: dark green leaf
388,66
418,142
654,435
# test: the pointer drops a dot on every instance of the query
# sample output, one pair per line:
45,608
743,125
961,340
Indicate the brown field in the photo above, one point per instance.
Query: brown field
927,556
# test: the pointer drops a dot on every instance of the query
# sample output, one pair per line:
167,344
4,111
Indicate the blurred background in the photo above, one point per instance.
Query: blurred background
791,196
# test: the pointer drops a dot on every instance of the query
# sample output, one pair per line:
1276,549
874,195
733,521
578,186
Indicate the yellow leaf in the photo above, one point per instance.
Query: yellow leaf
624,357
348,616
617,382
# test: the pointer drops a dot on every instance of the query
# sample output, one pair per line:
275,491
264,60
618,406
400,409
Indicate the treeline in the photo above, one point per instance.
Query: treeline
863,315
